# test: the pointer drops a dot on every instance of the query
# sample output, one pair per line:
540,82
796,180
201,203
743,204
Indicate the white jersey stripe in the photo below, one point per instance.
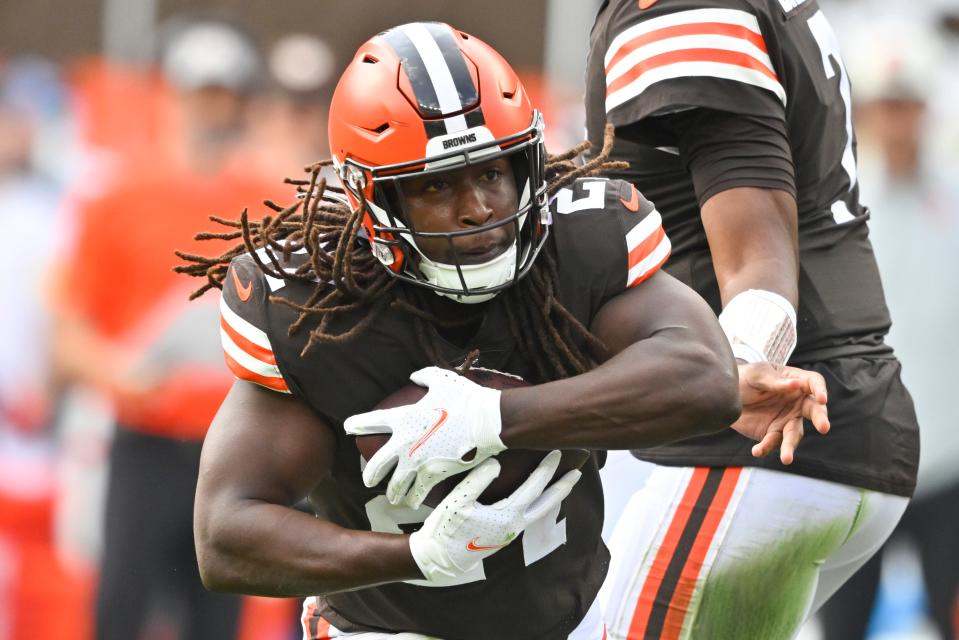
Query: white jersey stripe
439,74
244,328
643,267
643,230
247,361
680,43
694,16
685,69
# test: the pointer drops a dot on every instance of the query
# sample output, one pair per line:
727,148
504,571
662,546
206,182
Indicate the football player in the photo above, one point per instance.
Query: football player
735,120
455,233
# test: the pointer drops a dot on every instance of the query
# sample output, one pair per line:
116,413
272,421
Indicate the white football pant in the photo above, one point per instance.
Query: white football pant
730,553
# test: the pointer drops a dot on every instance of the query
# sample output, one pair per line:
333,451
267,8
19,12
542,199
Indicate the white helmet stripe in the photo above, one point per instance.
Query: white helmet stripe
439,73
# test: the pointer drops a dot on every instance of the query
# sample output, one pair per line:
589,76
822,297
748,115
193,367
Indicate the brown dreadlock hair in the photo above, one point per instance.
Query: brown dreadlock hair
320,222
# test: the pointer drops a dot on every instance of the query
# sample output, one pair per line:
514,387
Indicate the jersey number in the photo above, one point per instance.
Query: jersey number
828,45
539,540
595,197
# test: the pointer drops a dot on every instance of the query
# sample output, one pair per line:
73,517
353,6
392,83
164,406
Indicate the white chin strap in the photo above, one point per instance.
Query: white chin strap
486,275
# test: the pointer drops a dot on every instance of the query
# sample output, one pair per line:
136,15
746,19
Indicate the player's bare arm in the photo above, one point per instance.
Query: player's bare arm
668,374
752,229
264,453
752,234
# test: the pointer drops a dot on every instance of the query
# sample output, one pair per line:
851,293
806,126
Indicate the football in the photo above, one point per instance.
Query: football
515,464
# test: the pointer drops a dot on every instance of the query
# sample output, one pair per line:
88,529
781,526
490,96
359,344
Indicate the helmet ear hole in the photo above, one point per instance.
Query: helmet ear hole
368,59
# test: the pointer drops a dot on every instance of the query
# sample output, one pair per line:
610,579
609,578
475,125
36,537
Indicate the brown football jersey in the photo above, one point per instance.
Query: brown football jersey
774,59
606,237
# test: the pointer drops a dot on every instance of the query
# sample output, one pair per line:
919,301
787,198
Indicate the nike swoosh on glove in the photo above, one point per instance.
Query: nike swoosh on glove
429,438
461,532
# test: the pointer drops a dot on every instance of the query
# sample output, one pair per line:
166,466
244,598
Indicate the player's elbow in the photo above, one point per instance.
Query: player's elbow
714,402
720,407
212,574
212,564
216,561
214,569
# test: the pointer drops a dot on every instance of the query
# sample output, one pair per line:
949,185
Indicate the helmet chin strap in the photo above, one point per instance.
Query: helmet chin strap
492,273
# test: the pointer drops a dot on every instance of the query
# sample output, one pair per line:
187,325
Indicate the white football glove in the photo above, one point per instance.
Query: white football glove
430,438
461,532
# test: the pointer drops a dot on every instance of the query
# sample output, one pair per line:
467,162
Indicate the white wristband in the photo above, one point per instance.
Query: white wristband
760,326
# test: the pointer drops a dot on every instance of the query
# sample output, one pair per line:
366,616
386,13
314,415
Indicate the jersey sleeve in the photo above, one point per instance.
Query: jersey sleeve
608,237
674,55
244,326
647,245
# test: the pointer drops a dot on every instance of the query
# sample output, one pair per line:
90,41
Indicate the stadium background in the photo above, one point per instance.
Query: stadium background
81,97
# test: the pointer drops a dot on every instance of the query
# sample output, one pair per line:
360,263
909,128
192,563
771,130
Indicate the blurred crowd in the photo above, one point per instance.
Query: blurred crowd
109,377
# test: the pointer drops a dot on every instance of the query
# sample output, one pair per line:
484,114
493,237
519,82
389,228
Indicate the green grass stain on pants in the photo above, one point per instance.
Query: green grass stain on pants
765,597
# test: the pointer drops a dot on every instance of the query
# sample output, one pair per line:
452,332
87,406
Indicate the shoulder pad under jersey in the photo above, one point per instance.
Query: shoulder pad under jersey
607,227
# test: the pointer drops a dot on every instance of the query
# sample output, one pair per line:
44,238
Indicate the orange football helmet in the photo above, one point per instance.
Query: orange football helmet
423,98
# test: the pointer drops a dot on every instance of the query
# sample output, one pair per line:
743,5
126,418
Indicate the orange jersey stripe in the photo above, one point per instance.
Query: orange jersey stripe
690,55
648,273
637,627
646,247
679,603
695,29
241,372
254,350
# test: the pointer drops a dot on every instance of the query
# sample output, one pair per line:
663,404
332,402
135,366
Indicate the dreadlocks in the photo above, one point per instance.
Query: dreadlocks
322,225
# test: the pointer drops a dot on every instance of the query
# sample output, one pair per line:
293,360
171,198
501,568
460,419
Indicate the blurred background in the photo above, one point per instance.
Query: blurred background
124,124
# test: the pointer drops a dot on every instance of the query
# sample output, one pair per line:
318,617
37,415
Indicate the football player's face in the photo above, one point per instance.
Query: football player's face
463,199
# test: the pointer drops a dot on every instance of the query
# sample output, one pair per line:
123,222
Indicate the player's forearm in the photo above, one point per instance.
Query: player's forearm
271,550
768,273
665,388
752,235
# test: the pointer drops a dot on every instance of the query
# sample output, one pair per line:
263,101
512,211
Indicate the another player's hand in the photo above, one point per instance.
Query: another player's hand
431,437
461,532
775,402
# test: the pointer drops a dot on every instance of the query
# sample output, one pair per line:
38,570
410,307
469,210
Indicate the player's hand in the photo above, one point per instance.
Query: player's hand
461,532
431,437
775,402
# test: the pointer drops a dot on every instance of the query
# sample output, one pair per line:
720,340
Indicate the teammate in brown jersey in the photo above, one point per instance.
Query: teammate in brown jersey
735,118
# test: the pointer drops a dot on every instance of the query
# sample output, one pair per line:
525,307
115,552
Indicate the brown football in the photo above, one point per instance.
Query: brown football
515,464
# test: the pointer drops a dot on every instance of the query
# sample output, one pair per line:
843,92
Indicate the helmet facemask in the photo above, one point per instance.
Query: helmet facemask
393,239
